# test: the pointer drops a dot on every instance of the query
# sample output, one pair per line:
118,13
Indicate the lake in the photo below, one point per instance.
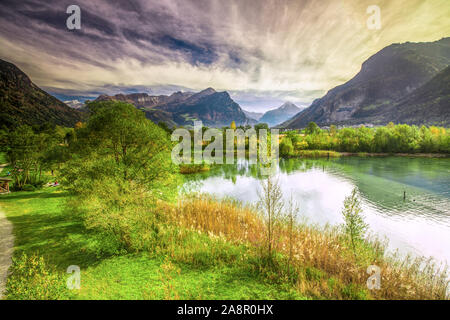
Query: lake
419,225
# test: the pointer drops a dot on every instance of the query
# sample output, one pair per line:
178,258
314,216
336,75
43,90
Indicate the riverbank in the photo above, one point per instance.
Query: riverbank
408,155
217,253
202,268
335,154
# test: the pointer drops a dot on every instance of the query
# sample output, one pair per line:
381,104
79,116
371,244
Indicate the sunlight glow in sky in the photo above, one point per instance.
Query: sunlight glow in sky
264,52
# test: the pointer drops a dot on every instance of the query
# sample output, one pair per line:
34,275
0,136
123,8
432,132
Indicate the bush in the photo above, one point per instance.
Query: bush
33,279
286,147
193,168
28,187
122,216
354,225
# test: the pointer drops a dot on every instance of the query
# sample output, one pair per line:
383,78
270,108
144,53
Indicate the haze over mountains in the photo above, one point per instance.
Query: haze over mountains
253,115
402,83
279,115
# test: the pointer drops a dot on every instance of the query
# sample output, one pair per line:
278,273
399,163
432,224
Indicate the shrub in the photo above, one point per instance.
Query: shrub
193,168
33,279
123,217
354,224
286,147
28,187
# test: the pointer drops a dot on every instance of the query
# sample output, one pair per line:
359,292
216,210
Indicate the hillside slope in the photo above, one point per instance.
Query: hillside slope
22,102
384,79
429,104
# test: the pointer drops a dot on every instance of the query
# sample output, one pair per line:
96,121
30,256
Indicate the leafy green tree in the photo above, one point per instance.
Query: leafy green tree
261,126
382,140
119,142
286,147
348,140
23,154
312,128
120,166
333,130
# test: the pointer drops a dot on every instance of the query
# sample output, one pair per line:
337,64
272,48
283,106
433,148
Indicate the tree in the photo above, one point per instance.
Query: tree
78,125
354,224
333,130
312,128
233,125
23,154
260,126
271,204
120,167
286,147
119,143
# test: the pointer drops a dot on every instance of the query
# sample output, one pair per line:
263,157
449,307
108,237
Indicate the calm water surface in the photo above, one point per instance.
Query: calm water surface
419,225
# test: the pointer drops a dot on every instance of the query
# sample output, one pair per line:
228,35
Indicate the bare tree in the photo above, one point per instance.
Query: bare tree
271,205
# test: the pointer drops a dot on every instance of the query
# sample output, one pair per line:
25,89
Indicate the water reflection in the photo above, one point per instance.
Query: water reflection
419,224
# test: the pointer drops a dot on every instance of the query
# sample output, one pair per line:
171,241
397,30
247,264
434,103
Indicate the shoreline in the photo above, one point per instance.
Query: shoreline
410,155
335,154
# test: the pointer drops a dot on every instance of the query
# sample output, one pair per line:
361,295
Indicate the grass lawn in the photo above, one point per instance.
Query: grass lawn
2,157
43,226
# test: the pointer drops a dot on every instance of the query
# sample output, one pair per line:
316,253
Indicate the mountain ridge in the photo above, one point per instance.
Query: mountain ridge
385,78
215,109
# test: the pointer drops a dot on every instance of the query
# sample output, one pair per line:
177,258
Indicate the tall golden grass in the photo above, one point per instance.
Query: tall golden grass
322,258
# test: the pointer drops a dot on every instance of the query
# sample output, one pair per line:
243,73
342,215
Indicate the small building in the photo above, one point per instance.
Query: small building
4,185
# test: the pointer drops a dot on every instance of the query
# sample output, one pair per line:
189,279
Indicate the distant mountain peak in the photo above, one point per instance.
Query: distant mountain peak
208,91
280,114
289,106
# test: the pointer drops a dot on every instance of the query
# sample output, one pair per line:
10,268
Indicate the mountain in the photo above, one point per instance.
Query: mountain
22,102
253,115
214,109
386,78
143,100
429,104
280,115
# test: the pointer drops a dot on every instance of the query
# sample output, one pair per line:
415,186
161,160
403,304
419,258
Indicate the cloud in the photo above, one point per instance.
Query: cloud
262,51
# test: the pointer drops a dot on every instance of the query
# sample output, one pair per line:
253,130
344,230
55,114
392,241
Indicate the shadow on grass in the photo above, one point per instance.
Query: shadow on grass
42,225
23,195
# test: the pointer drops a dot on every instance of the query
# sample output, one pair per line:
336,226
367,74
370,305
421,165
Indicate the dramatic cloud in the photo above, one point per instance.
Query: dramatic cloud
263,51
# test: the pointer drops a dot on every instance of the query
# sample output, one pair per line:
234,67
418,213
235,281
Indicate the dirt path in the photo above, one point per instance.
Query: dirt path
6,249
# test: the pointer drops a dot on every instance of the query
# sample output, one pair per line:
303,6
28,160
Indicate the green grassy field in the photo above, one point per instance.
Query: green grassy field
2,158
42,226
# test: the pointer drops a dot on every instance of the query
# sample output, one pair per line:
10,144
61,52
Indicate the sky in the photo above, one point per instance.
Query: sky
263,52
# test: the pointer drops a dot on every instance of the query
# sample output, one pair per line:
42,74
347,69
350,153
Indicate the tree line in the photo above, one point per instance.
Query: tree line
392,138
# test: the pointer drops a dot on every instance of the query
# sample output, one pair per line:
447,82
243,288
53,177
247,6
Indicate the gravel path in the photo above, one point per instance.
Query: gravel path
6,249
